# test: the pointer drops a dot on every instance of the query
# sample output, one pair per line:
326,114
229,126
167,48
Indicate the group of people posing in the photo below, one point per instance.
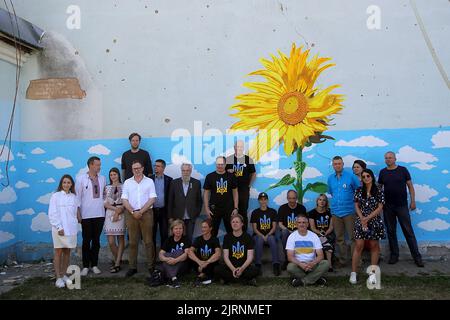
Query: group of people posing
149,200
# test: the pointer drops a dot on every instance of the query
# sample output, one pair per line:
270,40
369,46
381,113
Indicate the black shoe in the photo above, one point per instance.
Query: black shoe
131,272
393,260
284,266
176,283
419,263
151,270
198,281
276,269
297,282
330,269
251,283
322,282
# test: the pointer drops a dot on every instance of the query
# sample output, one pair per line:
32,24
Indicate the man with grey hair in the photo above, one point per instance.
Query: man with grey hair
185,199
395,179
243,168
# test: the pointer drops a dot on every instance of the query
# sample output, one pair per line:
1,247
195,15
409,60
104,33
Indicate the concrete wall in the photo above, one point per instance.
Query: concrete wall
158,66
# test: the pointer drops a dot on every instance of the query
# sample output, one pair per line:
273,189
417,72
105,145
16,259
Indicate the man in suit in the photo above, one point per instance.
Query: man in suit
185,199
162,184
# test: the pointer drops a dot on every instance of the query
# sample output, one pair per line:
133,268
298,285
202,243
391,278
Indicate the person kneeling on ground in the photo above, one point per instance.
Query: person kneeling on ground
174,253
305,255
238,252
205,252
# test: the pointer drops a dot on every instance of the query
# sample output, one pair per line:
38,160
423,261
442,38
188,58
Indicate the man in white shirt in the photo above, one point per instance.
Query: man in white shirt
305,255
138,196
89,189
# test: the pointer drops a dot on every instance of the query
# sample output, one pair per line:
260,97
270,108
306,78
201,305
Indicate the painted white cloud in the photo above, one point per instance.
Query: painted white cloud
270,156
418,211
423,166
99,149
174,169
7,195
118,160
31,170
21,155
444,199
277,173
281,198
82,171
12,169
408,154
307,149
349,159
6,236
45,199
424,193
441,139
60,163
444,171
28,211
442,210
50,180
7,217
254,193
310,156
21,185
41,223
37,151
364,141
434,225
4,155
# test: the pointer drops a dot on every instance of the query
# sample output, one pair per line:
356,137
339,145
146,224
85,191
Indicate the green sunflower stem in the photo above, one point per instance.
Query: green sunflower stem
299,182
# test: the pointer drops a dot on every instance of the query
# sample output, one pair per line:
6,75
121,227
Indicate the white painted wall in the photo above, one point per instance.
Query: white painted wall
188,61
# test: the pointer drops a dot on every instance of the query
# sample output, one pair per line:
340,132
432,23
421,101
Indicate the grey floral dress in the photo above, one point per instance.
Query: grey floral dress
375,230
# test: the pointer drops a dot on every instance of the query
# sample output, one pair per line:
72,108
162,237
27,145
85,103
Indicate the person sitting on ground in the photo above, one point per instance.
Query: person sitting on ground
304,251
205,252
369,200
321,223
174,253
238,252
264,224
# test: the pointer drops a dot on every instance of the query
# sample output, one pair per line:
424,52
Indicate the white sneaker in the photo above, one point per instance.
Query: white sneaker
96,270
84,272
353,278
67,280
372,278
60,283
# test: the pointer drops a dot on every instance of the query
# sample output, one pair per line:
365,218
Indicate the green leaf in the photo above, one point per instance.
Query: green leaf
299,168
285,181
318,187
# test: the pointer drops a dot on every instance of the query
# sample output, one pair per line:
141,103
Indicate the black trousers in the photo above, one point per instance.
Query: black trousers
218,215
160,218
244,195
223,272
91,229
209,270
391,214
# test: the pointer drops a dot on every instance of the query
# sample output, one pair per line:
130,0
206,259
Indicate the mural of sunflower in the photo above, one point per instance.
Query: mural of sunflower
288,102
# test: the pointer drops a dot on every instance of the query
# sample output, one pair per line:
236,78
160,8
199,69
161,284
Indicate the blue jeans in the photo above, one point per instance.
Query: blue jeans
284,236
259,247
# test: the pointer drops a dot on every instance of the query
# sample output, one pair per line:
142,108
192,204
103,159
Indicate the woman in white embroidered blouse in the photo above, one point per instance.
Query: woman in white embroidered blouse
64,216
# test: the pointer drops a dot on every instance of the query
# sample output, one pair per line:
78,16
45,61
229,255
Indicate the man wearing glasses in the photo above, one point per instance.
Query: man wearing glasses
138,196
89,189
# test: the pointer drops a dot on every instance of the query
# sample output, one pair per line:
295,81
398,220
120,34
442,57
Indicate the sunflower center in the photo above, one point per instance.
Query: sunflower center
292,108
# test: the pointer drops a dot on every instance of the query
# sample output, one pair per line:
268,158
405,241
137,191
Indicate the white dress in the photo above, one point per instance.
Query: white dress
113,196
62,213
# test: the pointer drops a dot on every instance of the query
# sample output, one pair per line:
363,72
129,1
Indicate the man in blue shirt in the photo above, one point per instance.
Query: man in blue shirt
342,185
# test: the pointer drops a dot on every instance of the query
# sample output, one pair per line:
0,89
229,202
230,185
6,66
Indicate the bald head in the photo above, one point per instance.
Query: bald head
239,148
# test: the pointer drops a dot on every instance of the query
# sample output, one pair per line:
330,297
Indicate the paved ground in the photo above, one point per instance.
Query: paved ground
15,273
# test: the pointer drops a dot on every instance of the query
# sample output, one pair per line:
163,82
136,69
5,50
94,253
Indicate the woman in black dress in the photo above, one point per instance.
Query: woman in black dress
369,200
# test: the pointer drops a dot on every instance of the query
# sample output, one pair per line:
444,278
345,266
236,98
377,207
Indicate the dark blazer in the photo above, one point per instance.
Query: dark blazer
178,202
167,181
